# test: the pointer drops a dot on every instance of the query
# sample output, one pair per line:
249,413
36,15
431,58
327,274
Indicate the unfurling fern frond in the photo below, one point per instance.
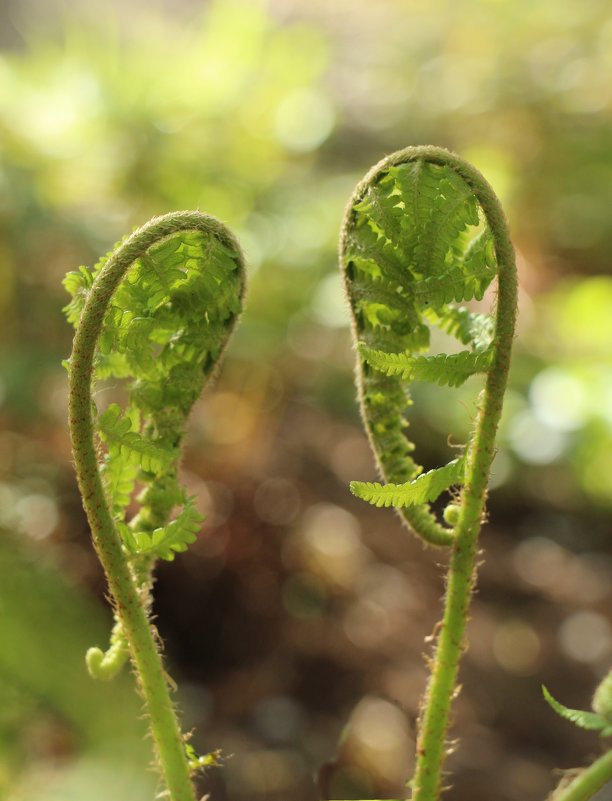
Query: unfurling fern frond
161,345
416,241
422,232
155,316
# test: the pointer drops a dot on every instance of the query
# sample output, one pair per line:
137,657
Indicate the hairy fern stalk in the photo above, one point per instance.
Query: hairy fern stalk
423,234
152,321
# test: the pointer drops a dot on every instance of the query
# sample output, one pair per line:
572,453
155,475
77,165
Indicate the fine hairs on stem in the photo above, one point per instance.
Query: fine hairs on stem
154,316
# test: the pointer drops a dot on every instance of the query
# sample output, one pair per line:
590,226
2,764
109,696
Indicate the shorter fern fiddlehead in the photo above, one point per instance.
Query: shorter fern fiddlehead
153,317
424,232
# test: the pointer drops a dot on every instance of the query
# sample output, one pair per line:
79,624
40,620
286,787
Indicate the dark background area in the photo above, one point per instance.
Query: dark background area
300,611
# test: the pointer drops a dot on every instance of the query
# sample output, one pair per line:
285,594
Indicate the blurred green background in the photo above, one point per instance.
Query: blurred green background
300,610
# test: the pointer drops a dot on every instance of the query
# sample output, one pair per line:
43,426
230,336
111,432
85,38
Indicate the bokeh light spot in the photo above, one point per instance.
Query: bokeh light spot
540,561
304,120
37,515
331,545
231,418
278,719
586,636
304,595
534,441
516,647
277,501
379,733
329,302
559,399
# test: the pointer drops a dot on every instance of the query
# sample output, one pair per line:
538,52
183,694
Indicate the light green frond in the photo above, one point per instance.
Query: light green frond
415,243
116,429
165,542
470,328
580,718
446,370
119,476
77,284
424,489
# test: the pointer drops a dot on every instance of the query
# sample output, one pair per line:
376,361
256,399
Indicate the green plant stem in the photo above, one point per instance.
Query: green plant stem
588,782
129,608
431,744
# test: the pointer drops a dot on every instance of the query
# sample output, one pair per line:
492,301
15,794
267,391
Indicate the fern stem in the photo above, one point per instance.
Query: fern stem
130,610
431,745
588,782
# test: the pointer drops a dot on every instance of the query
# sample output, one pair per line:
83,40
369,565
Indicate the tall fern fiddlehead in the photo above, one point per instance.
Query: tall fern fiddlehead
155,314
423,232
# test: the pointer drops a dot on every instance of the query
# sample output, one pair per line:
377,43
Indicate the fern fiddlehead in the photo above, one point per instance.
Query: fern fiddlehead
155,313
424,231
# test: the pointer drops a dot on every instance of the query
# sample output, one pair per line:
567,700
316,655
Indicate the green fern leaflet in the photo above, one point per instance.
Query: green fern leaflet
585,720
424,489
415,244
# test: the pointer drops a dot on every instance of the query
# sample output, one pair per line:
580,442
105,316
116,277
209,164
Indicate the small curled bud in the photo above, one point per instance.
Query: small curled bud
105,665
451,514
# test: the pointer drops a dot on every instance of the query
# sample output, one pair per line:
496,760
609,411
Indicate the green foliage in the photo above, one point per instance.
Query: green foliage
424,230
424,489
165,136
116,429
416,243
164,330
470,328
580,718
441,369
77,284
167,541
156,313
